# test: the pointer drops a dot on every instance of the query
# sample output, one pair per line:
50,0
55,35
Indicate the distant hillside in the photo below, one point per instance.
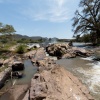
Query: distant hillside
18,36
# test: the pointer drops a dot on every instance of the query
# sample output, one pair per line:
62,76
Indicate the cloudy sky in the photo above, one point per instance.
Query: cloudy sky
47,18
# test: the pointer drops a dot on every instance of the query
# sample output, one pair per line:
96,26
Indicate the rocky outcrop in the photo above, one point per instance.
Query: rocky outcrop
17,66
81,52
63,50
57,50
9,61
30,54
53,82
39,55
4,75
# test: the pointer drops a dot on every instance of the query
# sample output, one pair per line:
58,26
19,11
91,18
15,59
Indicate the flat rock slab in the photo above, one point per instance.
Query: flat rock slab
57,84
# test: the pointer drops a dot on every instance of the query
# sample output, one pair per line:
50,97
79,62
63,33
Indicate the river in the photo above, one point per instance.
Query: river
87,70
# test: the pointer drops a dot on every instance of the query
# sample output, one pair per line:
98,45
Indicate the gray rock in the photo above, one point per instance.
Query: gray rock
17,66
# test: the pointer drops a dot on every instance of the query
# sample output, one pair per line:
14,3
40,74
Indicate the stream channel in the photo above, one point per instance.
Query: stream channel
28,73
86,69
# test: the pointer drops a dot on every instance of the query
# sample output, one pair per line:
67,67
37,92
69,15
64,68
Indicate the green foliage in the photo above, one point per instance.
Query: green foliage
21,49
86,38
23,40
78,39
6,29
4,51
6,33
88,19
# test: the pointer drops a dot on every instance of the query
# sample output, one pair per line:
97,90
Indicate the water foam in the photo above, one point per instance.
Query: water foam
89,58
92,77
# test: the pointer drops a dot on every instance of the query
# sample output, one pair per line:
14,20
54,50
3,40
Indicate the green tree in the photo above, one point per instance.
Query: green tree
86,38
78,38
6,29
21,49
87,20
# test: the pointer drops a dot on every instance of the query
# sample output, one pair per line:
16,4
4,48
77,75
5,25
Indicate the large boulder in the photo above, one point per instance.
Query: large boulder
58,49
64,50
17,66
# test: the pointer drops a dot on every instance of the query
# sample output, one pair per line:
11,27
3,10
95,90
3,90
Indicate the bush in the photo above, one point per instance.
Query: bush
20,49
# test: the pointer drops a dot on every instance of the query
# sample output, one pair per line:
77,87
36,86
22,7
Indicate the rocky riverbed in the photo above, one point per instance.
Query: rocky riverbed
52,81
56,83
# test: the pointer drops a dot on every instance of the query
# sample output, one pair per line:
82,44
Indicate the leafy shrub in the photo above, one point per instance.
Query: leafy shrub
21,49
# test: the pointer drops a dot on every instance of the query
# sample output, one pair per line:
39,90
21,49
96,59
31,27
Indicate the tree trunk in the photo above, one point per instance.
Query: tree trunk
97,37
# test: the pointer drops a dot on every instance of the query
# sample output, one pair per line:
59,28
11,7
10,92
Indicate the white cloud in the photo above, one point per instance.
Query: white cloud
50,10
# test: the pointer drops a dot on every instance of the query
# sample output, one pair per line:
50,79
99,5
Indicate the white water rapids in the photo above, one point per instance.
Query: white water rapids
92,75
87,70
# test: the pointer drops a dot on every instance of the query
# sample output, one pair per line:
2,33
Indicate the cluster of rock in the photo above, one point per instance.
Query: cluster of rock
53,82
14,62
8,66
4,75
64,50
18,66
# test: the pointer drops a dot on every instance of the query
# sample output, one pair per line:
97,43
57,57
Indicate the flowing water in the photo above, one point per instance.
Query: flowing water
87,70
28,72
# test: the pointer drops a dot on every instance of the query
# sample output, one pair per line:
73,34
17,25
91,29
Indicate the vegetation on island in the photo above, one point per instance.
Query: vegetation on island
21,49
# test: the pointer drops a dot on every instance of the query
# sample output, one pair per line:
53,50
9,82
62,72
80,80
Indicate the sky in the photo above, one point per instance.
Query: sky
46,18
